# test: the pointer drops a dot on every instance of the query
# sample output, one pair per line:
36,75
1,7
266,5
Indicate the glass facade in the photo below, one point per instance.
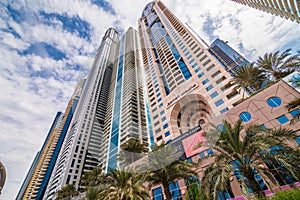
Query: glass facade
115,129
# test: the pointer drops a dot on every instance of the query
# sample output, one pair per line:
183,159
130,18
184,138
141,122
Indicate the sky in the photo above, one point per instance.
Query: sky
47,46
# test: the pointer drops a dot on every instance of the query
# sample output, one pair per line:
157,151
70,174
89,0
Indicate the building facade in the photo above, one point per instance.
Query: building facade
2,176
227,56
80,151
186,85
126,112
38,177
288,9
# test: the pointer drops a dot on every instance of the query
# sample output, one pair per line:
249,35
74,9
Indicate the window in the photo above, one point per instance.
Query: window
274,102
221,127
205,81
175,190
163,119
159,100
200,75
245,116
282,119
214,94
197,70
157,194
224,110
209,88
189,159
202,154
162,112
160,105
167,133
219,102
295,113
165,126
298,140
210,152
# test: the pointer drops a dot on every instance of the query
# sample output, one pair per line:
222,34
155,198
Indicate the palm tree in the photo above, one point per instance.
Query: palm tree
67,192
277,66
165,168
249,77
123,185
131,151
91,178
244,151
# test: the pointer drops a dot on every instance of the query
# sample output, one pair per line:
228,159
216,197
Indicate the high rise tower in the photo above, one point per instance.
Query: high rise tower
35,183
288,9
185,83
126,112
81,149
227,56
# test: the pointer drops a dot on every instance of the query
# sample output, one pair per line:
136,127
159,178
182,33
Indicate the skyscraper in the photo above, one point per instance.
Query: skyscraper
35,183
2,176
81,149
126,112
186,85
227,56
288,9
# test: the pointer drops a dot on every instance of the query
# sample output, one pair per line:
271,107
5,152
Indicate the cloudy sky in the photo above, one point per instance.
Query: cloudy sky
47,46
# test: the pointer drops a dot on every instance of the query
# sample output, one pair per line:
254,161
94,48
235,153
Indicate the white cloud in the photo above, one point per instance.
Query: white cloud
29,102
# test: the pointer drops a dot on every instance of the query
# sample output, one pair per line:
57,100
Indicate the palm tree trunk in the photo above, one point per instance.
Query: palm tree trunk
166,191
255,186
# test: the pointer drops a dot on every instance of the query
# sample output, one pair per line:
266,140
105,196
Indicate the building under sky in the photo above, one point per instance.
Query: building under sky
288,9
186,85
38,177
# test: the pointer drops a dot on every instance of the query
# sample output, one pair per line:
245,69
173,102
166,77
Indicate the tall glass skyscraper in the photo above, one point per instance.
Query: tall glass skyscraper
126,112
37,179
81,149
186,85
227,56
288,9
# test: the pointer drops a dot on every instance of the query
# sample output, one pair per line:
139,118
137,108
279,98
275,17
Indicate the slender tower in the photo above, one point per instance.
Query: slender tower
35,183
126,112
227,56
186,85
288,9
81,149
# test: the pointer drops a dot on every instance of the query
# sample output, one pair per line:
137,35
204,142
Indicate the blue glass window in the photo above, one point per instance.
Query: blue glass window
263,126
189,159
165,126
159,100
201,74
295,113
184,69
214,94
221,127
160,105
209,88
210,152
158,94
167,133
274,102
157,194
245,116
282,119
219,102
162,112
194,65
164,119
202,154
224,110
175,190
205,81
298,140
197,70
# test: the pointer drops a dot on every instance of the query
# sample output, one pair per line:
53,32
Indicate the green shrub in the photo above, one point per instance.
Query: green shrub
292,194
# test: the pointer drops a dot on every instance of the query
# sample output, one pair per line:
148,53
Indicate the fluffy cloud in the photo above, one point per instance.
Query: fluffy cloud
46,47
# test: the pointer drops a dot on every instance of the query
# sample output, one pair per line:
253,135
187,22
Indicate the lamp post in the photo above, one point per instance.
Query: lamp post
2,176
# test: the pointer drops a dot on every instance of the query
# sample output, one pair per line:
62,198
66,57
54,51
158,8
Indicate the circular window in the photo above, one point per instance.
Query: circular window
245,116
221,127
274,102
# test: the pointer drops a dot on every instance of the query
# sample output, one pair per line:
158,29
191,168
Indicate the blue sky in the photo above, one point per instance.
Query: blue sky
46,47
